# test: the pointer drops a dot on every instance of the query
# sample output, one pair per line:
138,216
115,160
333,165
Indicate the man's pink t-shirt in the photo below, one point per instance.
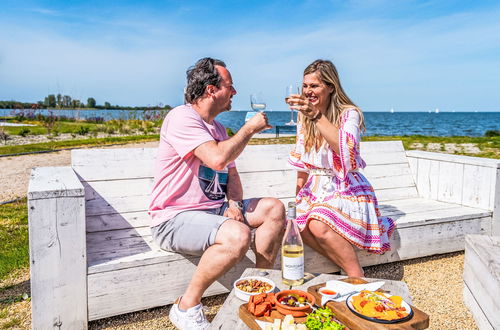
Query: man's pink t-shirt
181,181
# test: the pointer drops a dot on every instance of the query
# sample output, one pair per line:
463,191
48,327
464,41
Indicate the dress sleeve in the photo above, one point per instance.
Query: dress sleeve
349,138
294,158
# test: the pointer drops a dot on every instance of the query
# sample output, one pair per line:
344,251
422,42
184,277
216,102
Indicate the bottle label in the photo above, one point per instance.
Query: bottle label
293,268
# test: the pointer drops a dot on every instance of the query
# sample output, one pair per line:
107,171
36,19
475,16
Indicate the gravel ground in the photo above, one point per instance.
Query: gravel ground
435,282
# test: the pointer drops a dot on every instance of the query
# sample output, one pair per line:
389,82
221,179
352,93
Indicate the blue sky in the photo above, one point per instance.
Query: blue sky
406,55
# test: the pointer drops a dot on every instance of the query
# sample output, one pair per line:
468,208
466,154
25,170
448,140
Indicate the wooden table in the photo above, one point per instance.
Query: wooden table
227,317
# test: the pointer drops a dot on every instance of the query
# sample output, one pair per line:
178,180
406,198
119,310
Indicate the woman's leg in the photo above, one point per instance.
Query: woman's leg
335,247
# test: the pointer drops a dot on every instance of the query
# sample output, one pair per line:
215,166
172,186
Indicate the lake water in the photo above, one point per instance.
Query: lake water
377,123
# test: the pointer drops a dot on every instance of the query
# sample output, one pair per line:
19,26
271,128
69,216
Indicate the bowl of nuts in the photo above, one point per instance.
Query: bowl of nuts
251,285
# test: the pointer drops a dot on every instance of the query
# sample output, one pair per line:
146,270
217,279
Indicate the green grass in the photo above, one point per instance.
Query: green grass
57,145
15,322
60,126
13,237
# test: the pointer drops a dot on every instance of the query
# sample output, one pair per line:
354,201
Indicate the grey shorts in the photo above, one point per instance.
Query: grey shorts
192,232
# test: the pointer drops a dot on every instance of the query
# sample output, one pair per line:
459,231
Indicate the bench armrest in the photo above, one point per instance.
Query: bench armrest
469,181
58,258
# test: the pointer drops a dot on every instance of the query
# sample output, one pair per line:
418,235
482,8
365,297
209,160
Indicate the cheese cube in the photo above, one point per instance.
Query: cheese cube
288,320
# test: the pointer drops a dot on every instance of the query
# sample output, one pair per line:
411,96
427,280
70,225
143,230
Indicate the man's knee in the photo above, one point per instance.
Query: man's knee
273,208
235,235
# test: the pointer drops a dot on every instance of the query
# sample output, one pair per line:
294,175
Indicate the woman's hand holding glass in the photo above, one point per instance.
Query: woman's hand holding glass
302,104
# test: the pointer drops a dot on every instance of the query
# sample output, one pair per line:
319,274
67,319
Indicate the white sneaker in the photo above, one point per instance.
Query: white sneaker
192,319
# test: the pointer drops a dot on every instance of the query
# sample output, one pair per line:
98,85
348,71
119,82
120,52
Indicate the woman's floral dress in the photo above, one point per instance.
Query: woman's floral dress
336,193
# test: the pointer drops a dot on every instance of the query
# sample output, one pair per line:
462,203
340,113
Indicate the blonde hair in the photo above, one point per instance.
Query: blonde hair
339,102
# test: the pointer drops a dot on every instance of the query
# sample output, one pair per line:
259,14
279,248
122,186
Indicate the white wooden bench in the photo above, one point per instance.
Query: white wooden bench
482,280
91,250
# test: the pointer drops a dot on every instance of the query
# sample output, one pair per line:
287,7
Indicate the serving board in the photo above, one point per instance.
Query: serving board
420,320
249,318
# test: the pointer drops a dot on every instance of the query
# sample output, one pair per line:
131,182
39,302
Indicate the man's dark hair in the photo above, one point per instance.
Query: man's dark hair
199,76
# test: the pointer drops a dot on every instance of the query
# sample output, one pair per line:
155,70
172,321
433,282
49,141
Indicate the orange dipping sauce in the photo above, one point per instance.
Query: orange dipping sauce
328,292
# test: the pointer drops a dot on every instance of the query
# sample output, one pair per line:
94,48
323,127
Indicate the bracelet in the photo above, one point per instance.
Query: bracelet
318,116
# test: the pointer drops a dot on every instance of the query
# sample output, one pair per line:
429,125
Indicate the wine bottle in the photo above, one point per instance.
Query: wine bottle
292,251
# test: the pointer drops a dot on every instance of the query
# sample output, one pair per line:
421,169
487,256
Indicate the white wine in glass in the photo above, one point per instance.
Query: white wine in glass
291,89
257,103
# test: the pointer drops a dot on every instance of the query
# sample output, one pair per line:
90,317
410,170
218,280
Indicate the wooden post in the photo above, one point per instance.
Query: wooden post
58,260
495,227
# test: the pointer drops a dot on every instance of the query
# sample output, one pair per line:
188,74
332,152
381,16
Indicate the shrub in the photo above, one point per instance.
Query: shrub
492,132
4,135
24,132
83,130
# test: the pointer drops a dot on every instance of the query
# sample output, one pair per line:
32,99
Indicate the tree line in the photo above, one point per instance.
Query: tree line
53,101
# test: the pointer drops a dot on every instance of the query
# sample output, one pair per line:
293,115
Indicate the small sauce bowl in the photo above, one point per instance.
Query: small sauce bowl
327,292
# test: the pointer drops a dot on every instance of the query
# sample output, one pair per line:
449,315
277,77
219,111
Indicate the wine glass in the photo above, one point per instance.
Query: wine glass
291,89
257,103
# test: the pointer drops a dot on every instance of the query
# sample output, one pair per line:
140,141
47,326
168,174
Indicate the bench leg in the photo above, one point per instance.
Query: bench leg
58,263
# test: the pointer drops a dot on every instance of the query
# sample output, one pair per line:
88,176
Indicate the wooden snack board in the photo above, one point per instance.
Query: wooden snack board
249,318
420,320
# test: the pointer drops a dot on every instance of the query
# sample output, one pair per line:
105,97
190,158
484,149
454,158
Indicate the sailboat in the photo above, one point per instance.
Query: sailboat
392,110
437,110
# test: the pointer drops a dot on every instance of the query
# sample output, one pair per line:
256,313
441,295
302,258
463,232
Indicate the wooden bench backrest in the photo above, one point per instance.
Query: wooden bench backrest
119,180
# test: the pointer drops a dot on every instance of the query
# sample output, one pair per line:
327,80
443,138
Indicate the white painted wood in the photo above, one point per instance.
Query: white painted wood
482,274
130,289
50,182
470,302
459,159
101,157
125,265
477,182
396,193
115,221
450,184
380,171
423,179
495,192
58,272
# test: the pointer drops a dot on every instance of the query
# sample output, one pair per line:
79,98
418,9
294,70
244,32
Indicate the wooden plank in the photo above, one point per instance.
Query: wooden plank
58,263
438,236
118,221
100,157
482,274
118,188
477,186
51,182
495,201
396,193
381,146
107,164
458,159
385,170
423,178
450,182
477,313
381,158
115,171
393,181
155,283
439,216
113,205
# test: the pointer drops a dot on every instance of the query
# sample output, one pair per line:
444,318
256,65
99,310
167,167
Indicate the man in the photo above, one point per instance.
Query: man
194,174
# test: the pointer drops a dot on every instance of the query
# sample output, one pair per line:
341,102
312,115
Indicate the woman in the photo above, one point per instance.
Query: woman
336,206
